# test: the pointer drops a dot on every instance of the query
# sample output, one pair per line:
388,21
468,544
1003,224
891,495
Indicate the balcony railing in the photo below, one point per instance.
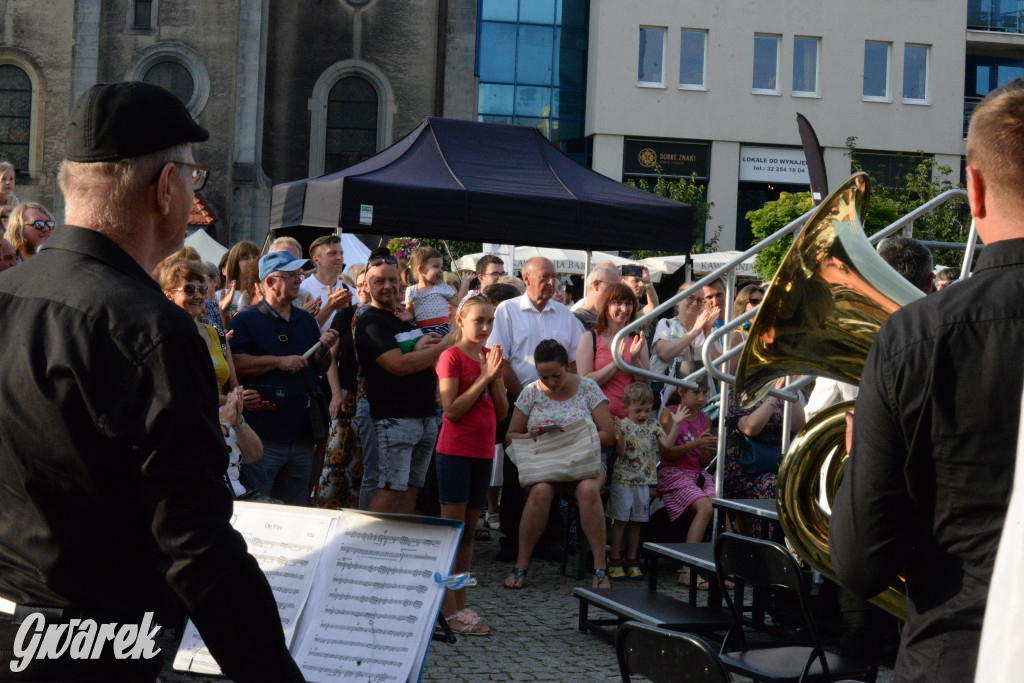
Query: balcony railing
1006,16
969,104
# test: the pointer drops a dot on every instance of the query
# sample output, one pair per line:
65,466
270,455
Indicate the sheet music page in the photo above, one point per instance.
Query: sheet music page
371,616
287,546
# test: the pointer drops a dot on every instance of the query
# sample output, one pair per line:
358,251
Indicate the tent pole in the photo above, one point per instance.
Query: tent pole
265,240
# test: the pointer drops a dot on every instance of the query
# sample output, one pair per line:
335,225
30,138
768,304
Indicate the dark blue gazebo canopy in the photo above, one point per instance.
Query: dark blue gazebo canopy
464,180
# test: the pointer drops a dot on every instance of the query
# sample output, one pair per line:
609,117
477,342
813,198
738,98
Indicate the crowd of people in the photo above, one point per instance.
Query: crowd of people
357,387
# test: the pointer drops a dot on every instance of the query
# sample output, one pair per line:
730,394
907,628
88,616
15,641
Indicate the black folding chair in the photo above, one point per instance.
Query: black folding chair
760,563
665,656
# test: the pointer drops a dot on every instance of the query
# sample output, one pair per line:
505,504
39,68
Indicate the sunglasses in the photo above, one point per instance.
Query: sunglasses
190,289
42,225
381,259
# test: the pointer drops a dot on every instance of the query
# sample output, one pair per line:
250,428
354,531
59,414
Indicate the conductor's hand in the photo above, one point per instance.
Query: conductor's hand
291,364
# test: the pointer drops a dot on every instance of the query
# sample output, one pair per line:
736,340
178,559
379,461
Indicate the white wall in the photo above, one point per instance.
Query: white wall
729,114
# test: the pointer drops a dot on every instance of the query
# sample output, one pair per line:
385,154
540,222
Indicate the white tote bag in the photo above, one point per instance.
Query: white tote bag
568,455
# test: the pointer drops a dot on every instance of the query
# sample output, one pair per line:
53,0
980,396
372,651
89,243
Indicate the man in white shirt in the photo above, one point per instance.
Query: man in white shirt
522,323
329,259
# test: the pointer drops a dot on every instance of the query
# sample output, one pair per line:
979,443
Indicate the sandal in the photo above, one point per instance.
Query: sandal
518,577
601,579
466,622
496,524
684,580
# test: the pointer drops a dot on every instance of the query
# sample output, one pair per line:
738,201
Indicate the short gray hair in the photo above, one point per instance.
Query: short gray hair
108,193
598,273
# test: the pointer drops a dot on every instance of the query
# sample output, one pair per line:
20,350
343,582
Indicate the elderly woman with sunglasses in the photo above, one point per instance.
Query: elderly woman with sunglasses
28,228
184,284
682,336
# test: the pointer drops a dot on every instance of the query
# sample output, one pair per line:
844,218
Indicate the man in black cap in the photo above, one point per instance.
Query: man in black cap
111,456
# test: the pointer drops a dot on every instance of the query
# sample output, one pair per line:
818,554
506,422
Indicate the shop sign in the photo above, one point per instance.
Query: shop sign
677,159
773,165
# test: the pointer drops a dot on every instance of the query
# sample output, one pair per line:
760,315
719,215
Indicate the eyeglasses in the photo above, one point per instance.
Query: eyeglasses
495,275
199,174
297,275
377,260
695,299
190,289
42,225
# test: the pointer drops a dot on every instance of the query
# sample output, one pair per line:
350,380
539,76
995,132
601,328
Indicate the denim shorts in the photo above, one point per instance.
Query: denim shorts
404,447
463,481
629,503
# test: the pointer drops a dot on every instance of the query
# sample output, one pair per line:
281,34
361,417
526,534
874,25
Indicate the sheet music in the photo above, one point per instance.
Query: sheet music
367,619
287,547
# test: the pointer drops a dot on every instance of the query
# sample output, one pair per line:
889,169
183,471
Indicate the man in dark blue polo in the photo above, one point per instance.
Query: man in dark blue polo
268,346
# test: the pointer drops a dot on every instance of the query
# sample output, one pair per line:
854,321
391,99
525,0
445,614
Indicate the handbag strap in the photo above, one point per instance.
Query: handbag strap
285,342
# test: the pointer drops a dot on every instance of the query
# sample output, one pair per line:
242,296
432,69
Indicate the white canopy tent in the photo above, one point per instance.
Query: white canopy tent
354,249
566,261
209,249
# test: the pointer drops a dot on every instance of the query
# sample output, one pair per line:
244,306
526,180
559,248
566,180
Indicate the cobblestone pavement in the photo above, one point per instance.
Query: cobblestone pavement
533,631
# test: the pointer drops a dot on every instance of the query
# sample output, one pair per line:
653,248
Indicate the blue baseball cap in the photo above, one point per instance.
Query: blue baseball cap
280,261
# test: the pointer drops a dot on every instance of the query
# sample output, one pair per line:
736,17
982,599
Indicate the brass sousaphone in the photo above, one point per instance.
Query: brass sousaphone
819,317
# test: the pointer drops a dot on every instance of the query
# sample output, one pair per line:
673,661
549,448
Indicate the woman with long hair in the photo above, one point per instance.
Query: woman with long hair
28,228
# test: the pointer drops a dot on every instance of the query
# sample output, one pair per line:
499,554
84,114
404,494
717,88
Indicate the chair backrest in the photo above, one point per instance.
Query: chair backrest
760,563
662,655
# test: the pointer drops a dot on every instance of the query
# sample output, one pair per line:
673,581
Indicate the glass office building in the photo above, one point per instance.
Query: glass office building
532,64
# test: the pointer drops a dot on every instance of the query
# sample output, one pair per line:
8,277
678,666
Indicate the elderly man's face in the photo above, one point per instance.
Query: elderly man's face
540,281
283,286
6,255
383,284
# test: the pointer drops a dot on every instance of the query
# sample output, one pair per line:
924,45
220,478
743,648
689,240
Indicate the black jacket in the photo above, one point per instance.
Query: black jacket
929,480
112,459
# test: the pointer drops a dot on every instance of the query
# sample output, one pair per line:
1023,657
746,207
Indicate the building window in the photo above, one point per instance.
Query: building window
805,66
532,62
177,69
692,56
915,73
876,71
351,123
140,16
651,62
15,116
171,75
766,64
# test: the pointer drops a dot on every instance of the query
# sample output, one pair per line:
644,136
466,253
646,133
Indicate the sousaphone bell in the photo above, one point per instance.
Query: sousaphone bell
820,316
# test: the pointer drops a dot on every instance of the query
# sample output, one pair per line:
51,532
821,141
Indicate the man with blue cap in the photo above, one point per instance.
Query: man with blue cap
270,346
112,460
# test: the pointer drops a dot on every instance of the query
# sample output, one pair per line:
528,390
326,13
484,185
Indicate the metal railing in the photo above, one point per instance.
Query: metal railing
714,366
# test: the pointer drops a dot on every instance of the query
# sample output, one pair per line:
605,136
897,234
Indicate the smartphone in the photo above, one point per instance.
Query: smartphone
632,271
549,428
274,395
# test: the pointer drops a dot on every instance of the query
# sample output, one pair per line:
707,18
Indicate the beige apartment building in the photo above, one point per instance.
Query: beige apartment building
714,89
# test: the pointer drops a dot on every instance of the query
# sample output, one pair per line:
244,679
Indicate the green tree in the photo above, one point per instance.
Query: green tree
688,191
948,223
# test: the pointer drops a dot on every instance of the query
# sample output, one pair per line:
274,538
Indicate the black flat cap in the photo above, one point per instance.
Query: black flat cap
125,120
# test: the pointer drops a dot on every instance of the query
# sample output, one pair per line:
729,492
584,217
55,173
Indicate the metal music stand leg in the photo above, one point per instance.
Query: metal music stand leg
446,635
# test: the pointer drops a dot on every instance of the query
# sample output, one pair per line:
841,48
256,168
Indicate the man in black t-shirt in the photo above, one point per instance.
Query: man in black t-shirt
397,360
